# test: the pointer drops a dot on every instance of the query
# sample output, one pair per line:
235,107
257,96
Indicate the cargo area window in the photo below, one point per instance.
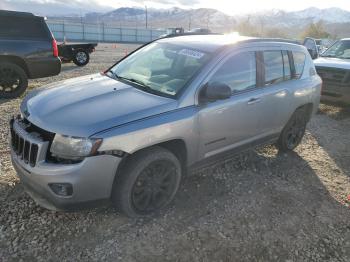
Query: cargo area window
299,63
286,66
238,72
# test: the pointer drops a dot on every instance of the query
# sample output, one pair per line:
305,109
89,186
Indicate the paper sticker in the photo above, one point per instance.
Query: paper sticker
191,53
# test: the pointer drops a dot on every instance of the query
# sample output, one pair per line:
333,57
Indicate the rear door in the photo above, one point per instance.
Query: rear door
277,82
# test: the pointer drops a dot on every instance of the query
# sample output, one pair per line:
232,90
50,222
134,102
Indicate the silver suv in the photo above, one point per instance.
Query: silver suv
128,135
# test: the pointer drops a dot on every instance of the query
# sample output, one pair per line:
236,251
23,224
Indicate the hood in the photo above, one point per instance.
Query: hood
86,105
332,62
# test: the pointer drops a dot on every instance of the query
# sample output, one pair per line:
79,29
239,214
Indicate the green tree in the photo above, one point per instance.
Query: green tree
275,32
246,28
315,30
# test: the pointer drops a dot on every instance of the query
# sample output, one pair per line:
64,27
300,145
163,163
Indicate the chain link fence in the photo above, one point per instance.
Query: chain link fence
84,32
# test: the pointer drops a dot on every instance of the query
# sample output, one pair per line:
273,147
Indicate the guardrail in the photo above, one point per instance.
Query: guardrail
83,32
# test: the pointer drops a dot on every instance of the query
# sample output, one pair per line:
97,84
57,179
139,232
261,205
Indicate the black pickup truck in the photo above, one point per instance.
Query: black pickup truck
27,51
78,53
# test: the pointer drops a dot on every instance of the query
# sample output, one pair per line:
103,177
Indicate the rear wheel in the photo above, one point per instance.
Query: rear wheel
81,58
293,132
147,183
13,80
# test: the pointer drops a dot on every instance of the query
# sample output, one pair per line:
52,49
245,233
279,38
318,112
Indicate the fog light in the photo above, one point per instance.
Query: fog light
63,189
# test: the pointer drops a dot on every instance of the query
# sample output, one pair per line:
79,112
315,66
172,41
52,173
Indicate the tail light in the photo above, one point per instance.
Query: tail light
54,47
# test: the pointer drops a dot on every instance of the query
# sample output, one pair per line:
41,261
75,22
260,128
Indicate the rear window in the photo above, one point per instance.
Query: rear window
23,27
299,63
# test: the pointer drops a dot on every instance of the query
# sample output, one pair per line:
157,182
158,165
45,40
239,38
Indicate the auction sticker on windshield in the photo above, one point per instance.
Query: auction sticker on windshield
191,53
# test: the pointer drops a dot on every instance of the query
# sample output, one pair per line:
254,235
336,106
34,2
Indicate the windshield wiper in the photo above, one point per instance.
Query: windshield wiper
133,80
139,83
327,55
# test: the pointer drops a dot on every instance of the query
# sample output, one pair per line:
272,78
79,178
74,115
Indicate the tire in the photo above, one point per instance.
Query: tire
147,183
293,132
13,80
81,58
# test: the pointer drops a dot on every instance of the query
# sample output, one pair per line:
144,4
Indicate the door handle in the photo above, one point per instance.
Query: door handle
254,101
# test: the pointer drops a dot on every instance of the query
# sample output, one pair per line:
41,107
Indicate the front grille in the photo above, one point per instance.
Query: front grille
29,146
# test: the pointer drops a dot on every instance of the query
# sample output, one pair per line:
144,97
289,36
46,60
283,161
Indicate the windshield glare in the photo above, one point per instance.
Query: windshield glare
340,49
163,68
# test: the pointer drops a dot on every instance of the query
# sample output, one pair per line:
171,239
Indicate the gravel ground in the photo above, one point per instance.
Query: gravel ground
260,206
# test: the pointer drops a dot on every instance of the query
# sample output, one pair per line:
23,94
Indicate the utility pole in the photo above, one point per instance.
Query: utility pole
146,17
190,20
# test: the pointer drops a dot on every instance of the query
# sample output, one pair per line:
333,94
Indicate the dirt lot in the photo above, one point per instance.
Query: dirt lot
260,206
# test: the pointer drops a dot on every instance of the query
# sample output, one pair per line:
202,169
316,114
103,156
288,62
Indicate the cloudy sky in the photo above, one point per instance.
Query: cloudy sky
49,7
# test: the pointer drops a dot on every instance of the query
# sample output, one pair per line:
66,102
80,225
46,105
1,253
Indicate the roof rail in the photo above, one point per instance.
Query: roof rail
189,33
15,13
282,40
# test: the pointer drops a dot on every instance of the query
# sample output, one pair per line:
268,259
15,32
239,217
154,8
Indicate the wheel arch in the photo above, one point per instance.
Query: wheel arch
176,146
16,60
307,108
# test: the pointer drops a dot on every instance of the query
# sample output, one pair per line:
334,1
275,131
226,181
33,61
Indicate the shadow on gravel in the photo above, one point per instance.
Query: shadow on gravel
69,67
337,111
3,101
260,206
333,136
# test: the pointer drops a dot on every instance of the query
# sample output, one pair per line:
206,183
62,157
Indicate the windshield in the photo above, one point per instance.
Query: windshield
161,68
340,49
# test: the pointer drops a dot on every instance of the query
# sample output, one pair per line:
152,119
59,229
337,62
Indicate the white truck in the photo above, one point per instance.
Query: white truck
333,66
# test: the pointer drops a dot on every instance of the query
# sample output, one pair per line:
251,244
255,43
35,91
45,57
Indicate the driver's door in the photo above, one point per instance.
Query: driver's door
225,124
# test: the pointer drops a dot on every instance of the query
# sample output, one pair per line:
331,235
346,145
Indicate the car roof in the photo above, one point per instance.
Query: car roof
212,42
16,14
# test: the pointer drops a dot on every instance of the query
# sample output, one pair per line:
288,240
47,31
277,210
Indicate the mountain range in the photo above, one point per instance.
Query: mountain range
336,20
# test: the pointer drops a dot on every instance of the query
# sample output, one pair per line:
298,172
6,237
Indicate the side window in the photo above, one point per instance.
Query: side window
299,63
239,72
274,72
20,27
286,66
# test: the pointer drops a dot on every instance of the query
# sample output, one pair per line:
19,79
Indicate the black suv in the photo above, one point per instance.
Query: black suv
27,50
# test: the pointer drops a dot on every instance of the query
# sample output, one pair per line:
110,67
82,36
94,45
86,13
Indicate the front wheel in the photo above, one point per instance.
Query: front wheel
147,183
13,80
293,132
81,58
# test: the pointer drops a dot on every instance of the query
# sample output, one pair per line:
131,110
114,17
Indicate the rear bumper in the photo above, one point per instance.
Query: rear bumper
92,181
44,67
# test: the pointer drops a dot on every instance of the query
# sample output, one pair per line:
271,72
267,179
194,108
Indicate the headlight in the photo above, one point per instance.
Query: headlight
67,147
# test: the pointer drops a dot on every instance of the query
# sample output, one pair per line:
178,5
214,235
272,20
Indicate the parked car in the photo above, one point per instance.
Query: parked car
175,31
129,135
78,53
27,50
333,66
200,31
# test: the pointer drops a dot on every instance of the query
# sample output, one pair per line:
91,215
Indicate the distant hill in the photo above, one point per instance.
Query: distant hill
335,19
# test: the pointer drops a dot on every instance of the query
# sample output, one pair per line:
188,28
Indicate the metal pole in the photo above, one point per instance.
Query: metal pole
146,16
103,32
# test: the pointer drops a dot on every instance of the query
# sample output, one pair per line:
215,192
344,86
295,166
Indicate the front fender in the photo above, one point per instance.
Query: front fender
136,135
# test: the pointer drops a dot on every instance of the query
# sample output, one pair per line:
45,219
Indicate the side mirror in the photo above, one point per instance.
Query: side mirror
313,53
215,91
